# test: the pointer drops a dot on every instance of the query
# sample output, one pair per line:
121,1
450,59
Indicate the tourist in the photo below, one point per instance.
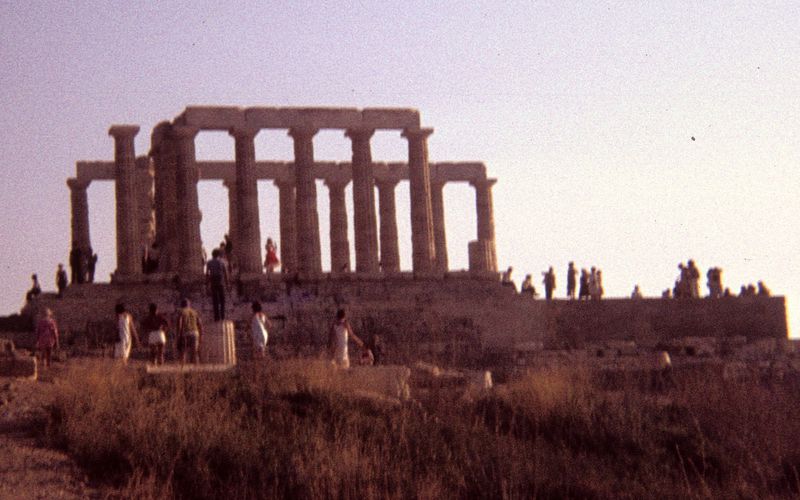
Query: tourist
596,284
694,280
127,333
217,274
61,280
666,294
763,291
549,282
714,282
583,288
156,326
190,331
527,287
91,265
571,273
506,280
35,290
340,333
637,293
271,260
46,336
228,247
259,326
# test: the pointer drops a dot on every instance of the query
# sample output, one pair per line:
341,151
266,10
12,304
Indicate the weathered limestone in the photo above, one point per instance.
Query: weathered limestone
247,239
340,245
390,251
144,202
308,246
484,207
128,261
287,221
439,235
366,231
190,258
230,184
163,153
80,214
419,177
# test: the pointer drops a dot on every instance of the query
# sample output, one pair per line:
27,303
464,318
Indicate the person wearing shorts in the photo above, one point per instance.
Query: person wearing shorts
156,326
190,329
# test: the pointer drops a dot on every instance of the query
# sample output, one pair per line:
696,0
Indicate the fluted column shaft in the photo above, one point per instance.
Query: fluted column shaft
166,204
287,220
190,255
390,250
128,258
485,215
419,177
308,247
340,244
230,184
144,201
366,230
439,233
247,239
80,215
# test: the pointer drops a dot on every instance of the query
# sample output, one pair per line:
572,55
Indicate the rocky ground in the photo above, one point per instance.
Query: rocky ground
28,469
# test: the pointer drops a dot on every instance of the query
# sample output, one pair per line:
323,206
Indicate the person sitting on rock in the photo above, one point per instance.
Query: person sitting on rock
35,290
527,287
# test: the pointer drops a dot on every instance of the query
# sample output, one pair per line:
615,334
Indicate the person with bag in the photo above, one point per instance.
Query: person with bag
259,326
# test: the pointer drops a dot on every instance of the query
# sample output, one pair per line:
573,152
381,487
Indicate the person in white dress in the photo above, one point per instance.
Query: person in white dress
127,333
341,332
259,327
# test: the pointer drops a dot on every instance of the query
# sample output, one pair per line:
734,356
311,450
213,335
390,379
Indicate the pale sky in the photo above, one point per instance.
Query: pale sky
584,113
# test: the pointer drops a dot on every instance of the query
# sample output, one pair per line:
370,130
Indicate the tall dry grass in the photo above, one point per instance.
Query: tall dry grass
290,430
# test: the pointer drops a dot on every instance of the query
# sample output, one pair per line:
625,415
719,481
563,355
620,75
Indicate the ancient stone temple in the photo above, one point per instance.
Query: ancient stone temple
458,315
157,198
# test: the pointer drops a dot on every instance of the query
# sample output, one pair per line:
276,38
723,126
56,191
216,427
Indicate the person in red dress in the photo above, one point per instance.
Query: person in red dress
46,336
271,261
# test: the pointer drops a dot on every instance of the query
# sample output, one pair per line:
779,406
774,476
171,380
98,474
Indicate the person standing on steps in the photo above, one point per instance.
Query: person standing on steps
217,276
190,331
259,326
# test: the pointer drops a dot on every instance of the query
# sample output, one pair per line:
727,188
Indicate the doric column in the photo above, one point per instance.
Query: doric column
439,234
190,254
419,177
144,201
308,249
128,249
390,251
166,206
485,213
247,239
287,221
366,231
232,215
340,245
80,214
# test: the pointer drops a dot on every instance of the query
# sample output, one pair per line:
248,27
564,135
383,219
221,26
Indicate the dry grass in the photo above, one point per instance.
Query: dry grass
290,430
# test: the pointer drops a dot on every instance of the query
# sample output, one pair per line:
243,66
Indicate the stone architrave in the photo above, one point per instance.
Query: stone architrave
366,231
190,254
128,246
80,214
165,165
287,220
419,178
309,261
390,250
439,233
340,244
247,239
230,184
485,214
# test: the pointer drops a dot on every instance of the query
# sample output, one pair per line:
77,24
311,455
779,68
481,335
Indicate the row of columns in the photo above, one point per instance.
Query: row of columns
178,214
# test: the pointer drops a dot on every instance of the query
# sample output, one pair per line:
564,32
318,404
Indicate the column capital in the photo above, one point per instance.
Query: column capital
302,132
229,182
244,132
337,182
184,131
416,133
482,183
283,182
363,134
387,182
438,183
75,183
123,131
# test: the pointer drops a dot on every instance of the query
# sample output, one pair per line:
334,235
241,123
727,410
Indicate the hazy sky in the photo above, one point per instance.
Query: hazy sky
584,113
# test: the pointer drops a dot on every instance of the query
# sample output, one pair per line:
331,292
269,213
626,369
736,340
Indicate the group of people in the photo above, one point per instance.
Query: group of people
83,264
590,285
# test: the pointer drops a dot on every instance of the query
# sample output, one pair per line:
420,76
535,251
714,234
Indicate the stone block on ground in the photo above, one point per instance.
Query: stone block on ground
18,366
218,344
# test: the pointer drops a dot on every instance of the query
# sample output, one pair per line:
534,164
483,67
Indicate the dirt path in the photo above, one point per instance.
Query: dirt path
28,470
